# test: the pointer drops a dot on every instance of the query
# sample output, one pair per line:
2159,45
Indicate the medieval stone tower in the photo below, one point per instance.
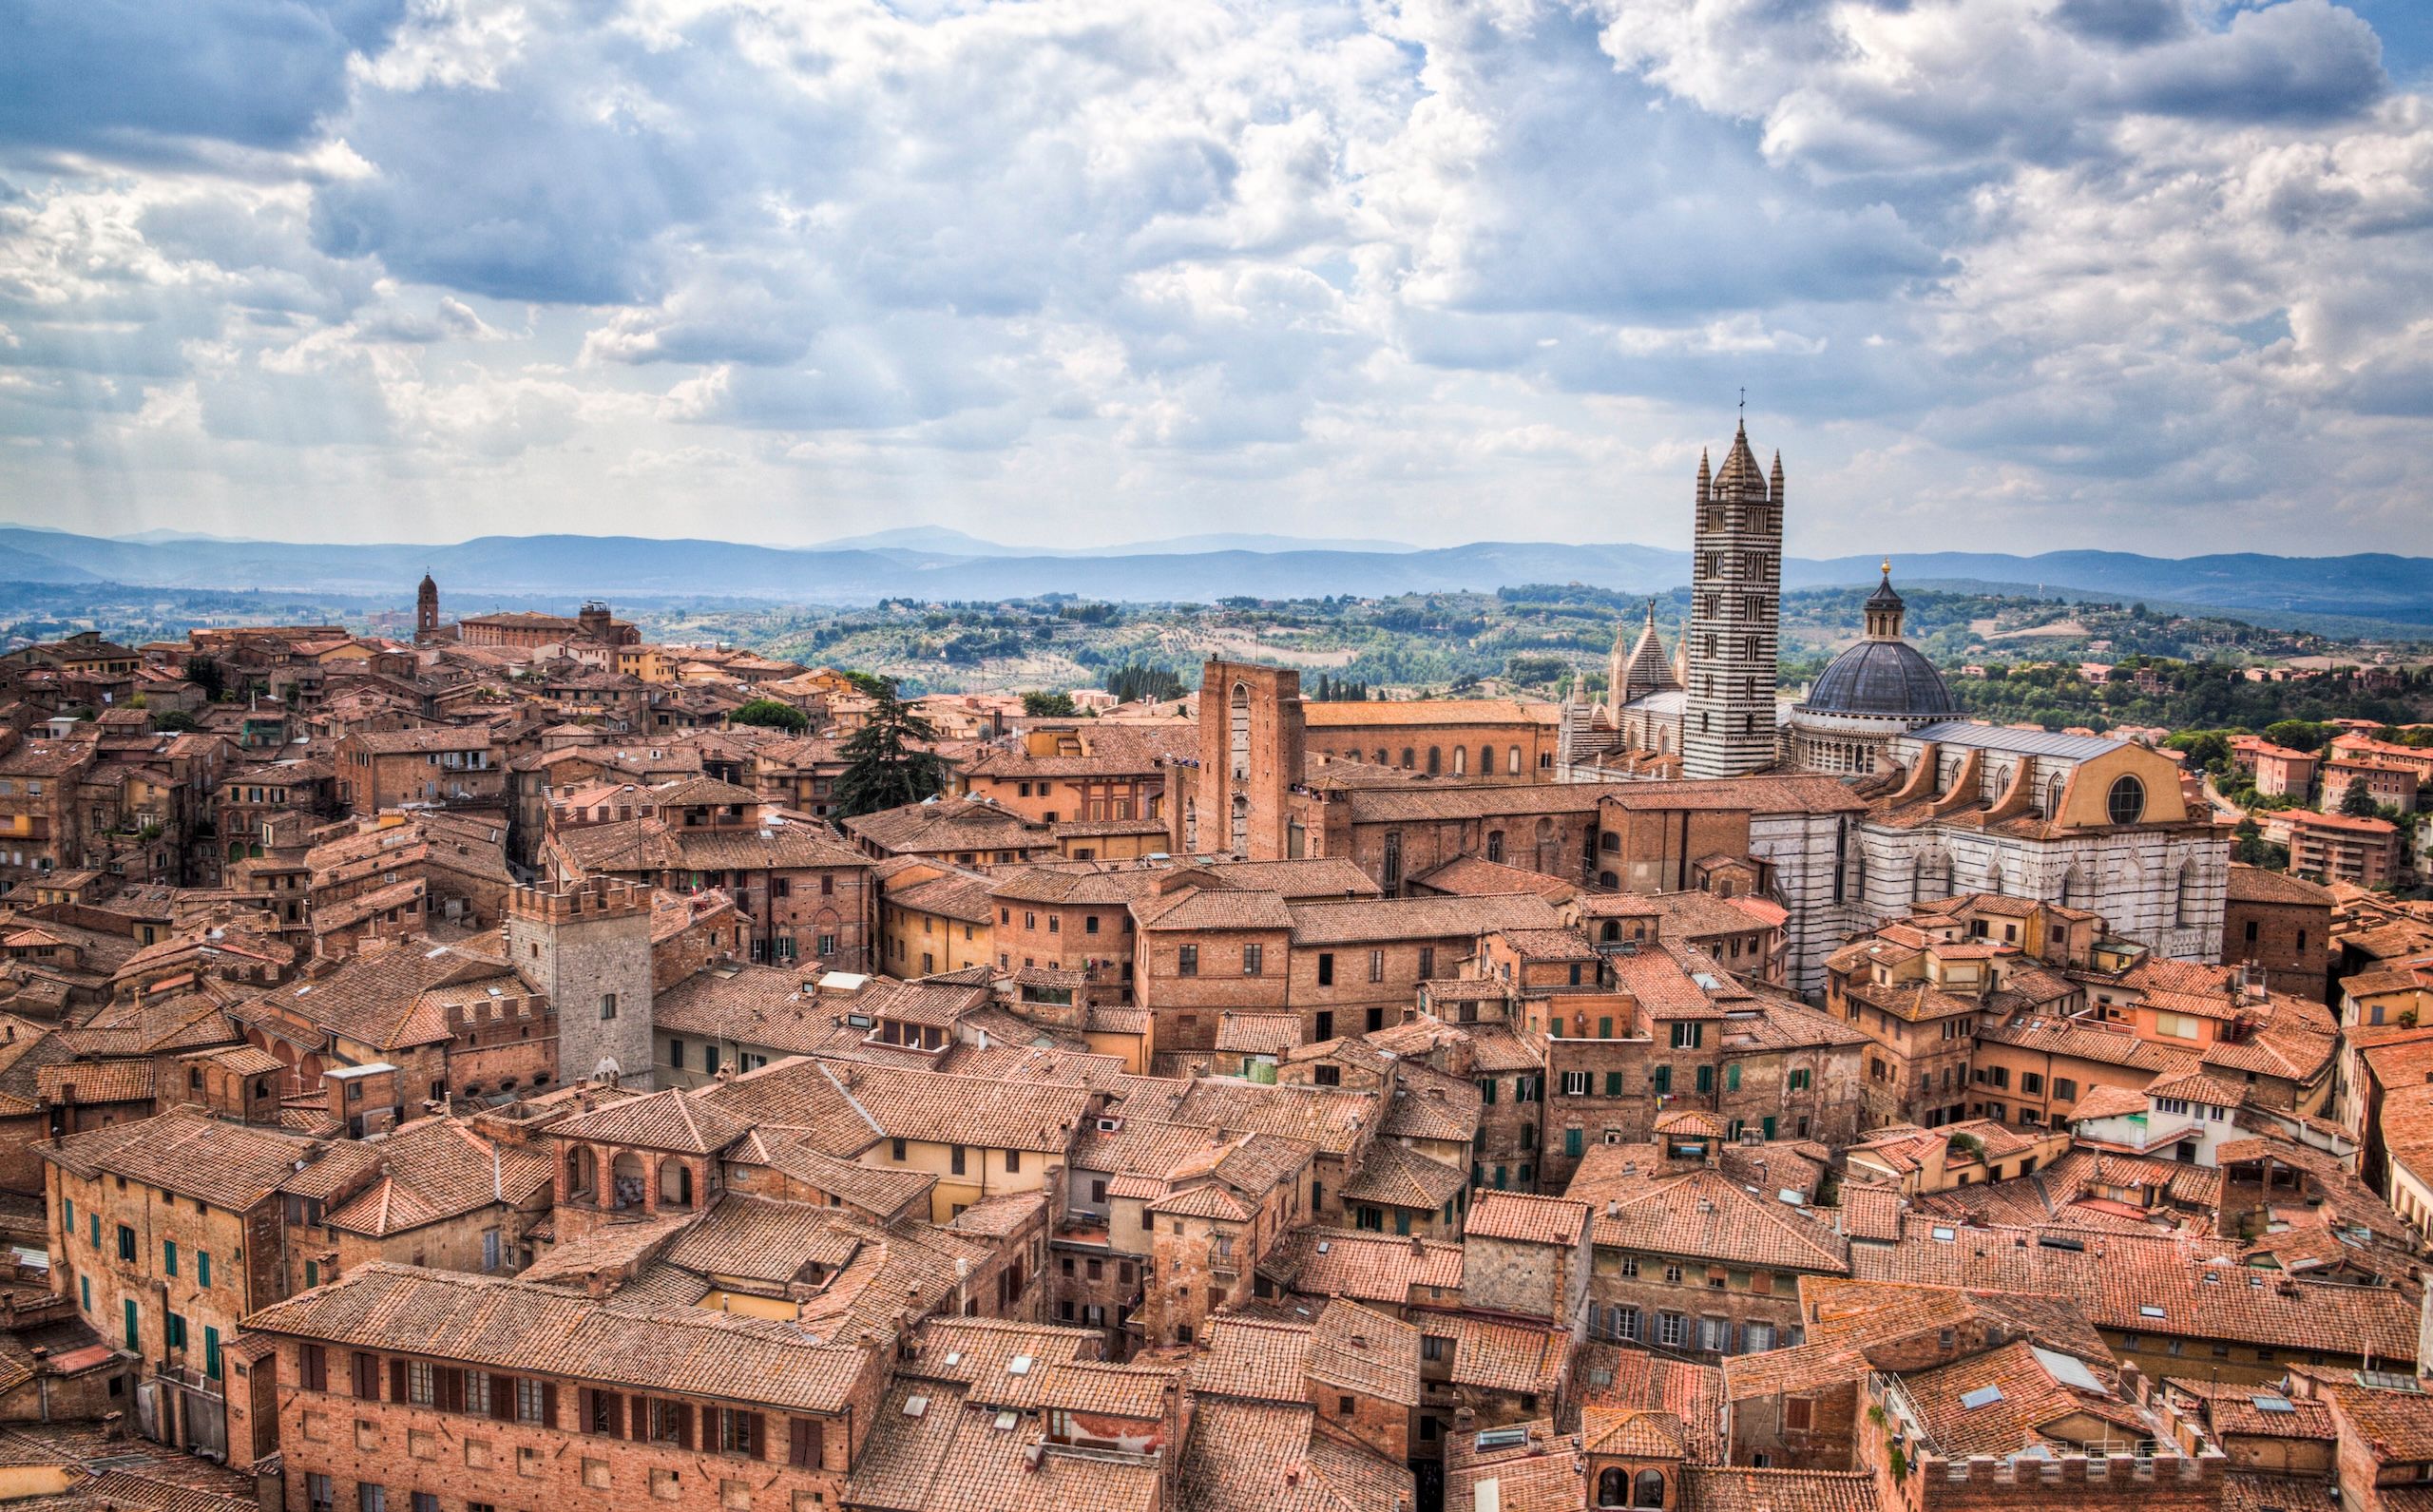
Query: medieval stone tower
588,946
1735,606
426,609
1252,742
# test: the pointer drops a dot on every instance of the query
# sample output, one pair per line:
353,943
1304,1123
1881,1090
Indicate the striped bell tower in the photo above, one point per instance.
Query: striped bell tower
1735,607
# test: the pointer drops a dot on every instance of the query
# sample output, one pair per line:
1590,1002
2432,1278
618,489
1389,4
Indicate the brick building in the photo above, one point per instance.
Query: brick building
2282,924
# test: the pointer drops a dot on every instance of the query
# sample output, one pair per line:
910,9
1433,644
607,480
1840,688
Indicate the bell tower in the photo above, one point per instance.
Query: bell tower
426,609
1735,610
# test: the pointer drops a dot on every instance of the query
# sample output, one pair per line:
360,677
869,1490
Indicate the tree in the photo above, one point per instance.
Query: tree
2357,803
1049,706
205,674
175,721
2296,735
771,714
887,761
2248,843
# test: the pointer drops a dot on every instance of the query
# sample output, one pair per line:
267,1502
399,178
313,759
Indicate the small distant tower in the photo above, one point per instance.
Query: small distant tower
597,623
1736,609
427,610
588,946
1638,669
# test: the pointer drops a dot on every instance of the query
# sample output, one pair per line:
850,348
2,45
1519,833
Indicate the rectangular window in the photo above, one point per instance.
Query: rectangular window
371,1498
532,1400
1662,1079
366,1375
203,1268
319,1496
473,1387
1187,960
1486,1090
1575,1084
1706,1079
608,1006
1731,1076
125,1242
1671,1328
418,1387
738,1432
169,1257
804,1442
1325,968
1013,1161
1688,1035
313,1363
1376,965
1798,1413
1427,963
1799,1079
1252,958
1612,1083
1571,1142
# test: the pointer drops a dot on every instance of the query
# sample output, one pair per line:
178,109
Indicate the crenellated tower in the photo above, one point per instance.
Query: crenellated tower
1735,609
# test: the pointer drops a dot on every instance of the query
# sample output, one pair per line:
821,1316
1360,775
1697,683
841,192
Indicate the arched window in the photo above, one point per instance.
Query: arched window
1607,879
1393,867
2184,900
1409,758
1190,823
1435,760
1494,846
1241,836
1648,1489
1239,731
1548,845
1487,761
1513,764
2053,795
1461,760
1612,1487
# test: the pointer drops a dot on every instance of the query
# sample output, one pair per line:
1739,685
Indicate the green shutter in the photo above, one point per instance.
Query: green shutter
169,1256
210,1352
1706,1079
1606,1027
1612,1083
1768,1123
133,1340
202,1267
1663,1078
1571,1142
1731,1076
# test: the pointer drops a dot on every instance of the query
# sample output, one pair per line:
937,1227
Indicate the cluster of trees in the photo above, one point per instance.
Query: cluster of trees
769,714
1329,688
890,762
1131,684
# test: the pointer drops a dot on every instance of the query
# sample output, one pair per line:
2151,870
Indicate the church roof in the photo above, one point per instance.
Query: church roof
1881,677
1740,468
1646,668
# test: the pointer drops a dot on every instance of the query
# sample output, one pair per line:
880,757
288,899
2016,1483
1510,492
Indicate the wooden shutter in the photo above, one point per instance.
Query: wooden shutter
754,1437
448,1389
642,1419
684,1412
586,1410
503,1398
396,1380
803,1442
549,1403
613,1408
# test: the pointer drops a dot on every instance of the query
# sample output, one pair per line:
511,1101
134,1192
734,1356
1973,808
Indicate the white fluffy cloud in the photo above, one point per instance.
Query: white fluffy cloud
2025,273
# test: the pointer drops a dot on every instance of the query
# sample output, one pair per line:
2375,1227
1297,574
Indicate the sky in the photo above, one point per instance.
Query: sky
2015,275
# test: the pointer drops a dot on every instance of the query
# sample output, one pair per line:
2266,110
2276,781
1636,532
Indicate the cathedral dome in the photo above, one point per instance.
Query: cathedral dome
1881,678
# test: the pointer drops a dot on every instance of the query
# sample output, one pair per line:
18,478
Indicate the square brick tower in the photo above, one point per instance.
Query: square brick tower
1735,617
588,946
1252,741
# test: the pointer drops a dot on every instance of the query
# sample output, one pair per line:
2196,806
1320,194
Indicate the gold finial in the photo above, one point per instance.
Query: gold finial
1887,566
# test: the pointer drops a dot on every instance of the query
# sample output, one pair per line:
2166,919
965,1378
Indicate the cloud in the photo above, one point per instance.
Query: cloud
2048,272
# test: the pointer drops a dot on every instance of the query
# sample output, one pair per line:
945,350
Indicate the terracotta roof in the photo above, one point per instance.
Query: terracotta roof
1364,1267
1527,1218
672,1121
795,1155
1704,1214
518,1326
1397,1176
1420,918
943,1108
441,1168
87,1083
229,1165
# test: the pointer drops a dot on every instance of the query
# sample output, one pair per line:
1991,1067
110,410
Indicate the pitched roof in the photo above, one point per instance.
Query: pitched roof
673,1120
516,1324
229,1165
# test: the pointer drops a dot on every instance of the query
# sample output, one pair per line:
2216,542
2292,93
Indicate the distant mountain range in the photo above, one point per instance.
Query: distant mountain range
930,563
